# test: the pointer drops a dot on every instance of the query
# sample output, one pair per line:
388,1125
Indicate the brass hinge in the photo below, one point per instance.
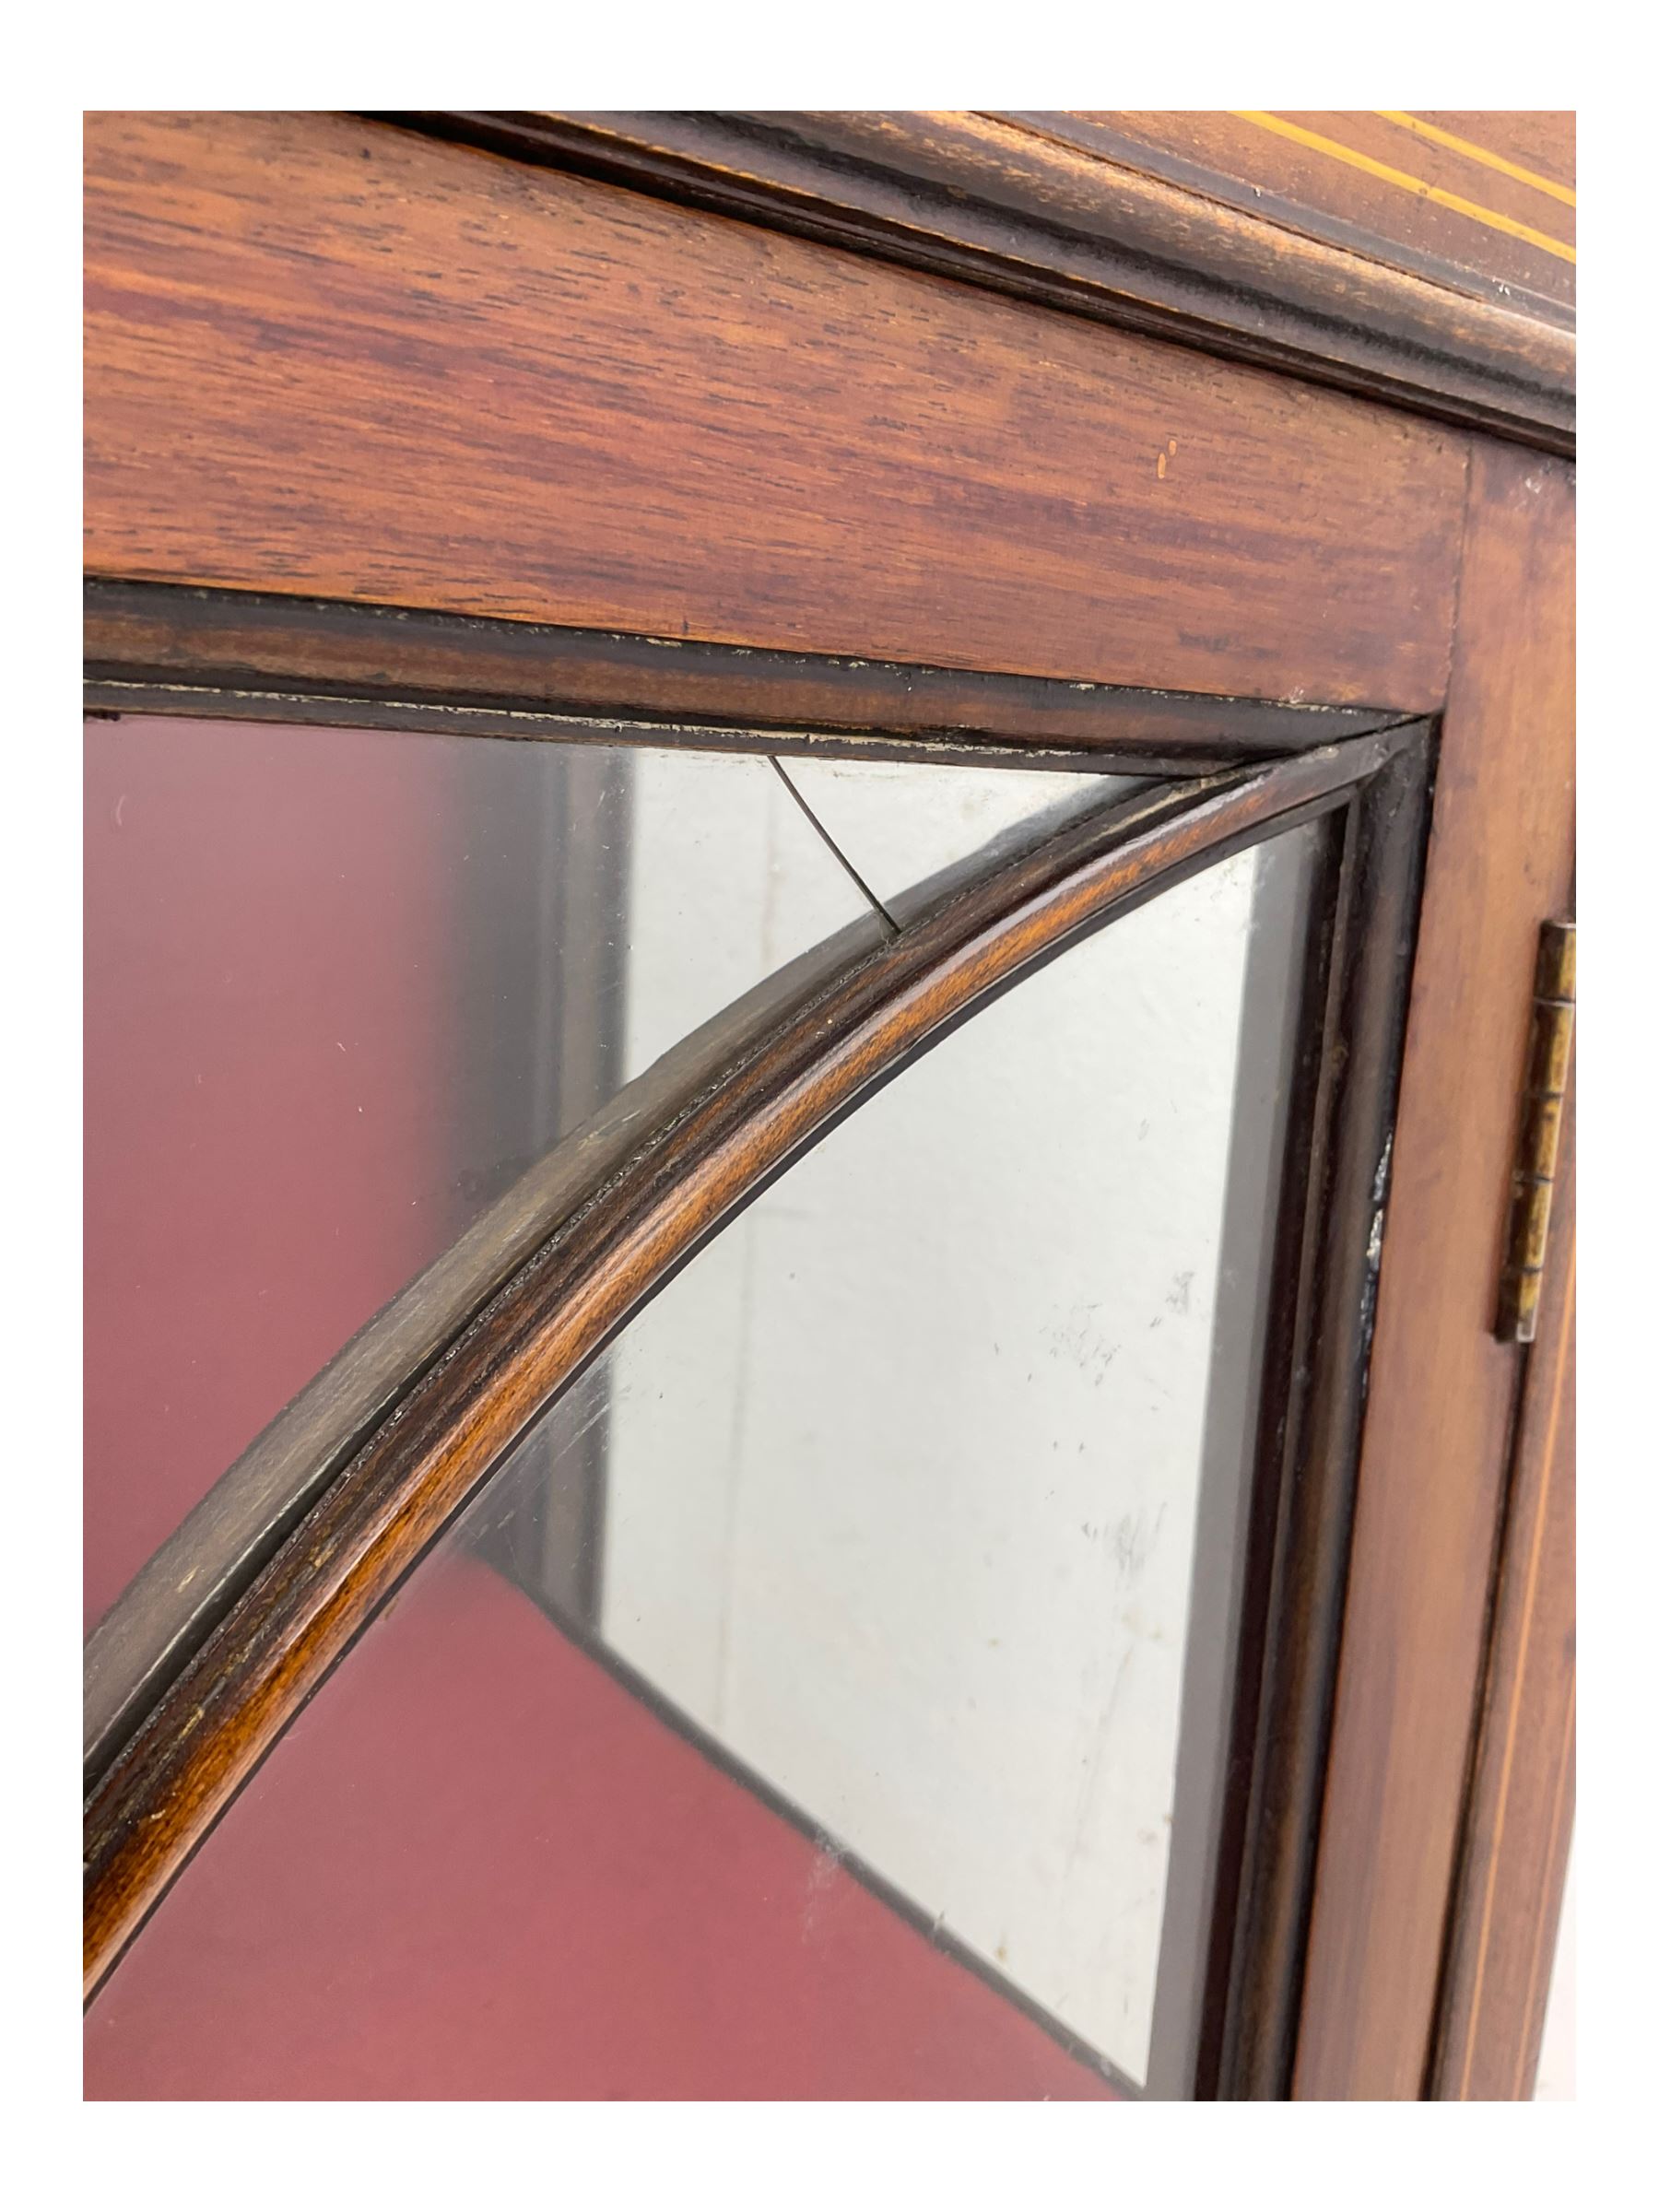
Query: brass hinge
1548,1052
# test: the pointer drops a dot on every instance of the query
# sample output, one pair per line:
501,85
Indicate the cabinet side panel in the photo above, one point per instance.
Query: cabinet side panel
1442,1387
1520,1819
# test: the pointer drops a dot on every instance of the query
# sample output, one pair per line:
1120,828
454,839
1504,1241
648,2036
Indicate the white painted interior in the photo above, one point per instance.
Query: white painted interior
728,882
902,1469
902,821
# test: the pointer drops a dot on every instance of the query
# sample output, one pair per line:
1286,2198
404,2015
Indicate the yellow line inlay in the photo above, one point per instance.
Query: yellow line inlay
1479,153
1489,216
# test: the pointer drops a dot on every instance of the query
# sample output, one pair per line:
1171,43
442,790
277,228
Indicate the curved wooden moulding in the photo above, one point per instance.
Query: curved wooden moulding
186,1586
249,656
638,1217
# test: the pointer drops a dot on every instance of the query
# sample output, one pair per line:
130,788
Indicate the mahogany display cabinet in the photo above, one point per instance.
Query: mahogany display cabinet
830,874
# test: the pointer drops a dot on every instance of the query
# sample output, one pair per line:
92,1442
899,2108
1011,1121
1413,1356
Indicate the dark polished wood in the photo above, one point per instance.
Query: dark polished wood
154,648
1518,1825
812,451
1461,200
1443,1388
1058,209
1331,1226
270,1651
397,431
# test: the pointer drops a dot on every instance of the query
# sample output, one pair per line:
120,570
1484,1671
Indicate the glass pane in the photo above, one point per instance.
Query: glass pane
342,987
903,824
828,1698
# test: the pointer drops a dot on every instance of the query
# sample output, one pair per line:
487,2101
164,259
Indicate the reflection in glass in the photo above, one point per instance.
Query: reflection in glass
856,1725
904,824
342,987
903,1472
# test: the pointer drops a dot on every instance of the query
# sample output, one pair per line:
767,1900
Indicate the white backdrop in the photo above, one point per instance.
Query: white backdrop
903,1468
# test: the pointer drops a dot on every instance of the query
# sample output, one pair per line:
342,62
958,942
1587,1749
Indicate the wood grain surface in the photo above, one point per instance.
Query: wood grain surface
1343,1155
986,402
1053,209
1434,1462
330,357
1482,202
1519,1824
151,648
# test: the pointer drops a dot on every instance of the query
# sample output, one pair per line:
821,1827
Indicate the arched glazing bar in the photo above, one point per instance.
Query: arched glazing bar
560,987
797,1074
